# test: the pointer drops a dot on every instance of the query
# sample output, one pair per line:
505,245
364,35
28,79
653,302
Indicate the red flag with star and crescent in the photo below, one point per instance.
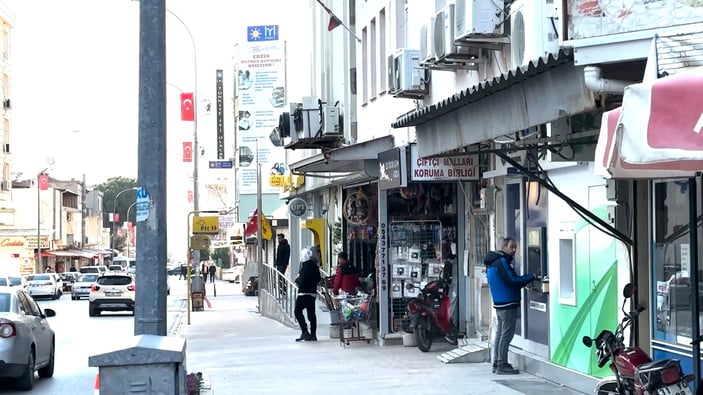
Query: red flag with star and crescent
253,226
187,107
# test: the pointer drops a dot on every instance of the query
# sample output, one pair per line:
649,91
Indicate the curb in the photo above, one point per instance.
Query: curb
177,326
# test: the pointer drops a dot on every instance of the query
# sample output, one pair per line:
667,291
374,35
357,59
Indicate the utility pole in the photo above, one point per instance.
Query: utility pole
84,212
150,306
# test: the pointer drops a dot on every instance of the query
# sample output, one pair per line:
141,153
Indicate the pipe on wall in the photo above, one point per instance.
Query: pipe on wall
595,81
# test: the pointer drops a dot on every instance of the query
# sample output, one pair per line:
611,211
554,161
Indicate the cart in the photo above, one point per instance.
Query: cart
352,314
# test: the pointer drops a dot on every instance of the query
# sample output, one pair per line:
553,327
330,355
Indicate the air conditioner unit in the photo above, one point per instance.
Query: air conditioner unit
443,34
427,55
409,79
504,168
331,124
5,185
477,19
532,34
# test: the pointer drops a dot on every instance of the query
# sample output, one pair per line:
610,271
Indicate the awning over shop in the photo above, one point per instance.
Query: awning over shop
359,157
544,90
71,253
656,133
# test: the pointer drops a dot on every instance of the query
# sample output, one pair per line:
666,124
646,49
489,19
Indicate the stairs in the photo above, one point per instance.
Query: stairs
473,350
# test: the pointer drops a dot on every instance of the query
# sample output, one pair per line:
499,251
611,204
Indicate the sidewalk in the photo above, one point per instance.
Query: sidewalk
245,353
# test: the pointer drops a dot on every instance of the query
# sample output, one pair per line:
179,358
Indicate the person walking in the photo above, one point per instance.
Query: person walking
282,253
182,272
307,280
505,286
213,271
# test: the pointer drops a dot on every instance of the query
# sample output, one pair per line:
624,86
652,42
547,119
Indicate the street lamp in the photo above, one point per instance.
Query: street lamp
114,211
196,149
128,210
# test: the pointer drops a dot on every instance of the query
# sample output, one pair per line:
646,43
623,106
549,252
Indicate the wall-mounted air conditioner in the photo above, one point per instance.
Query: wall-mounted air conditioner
443,34
427,55
477,19
409,79
331,121
532,33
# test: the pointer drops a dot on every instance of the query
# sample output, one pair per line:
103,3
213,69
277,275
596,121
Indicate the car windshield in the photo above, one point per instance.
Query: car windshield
15,280
39,277
4,302
4,282
115,280
66,276
88,278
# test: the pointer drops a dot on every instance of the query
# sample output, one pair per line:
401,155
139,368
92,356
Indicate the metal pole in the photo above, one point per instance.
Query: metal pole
128,209
188,267
259,211
150,305
83,213
693,274
196,149
37,265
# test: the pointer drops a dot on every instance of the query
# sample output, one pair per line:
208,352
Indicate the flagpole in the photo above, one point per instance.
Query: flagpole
259,211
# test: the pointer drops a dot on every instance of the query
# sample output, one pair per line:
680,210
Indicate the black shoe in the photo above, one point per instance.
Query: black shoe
506,368
311,338
494,368
302,337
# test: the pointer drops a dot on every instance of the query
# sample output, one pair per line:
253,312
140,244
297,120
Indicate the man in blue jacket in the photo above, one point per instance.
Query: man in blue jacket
505,286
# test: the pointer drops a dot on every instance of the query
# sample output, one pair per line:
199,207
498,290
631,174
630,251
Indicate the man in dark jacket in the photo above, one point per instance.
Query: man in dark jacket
346,277
307,280
282,253
505,287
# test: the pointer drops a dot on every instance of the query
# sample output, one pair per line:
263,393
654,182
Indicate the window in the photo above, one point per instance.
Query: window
39,277
567,288
365,67
374,59
382,48
671,261
115,280
4,302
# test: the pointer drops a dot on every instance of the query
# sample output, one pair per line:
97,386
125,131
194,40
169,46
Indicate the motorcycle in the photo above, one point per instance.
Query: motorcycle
430,314
634,371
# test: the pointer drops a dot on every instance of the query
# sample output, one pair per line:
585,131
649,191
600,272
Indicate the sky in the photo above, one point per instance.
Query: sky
74,82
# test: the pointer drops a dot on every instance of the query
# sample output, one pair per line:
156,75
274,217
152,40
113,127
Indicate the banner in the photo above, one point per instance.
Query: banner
43,182
261,96
187,151
187,107
220,116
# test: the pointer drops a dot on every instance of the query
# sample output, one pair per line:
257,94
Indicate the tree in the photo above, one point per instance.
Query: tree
223,254
110,189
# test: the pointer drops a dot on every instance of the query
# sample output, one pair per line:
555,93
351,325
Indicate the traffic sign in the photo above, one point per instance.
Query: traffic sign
206,225
143,204
221,164
200,242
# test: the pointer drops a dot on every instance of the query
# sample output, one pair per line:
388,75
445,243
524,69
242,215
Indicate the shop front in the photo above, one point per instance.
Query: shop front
18,253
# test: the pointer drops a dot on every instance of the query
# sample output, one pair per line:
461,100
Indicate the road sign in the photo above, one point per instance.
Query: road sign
200,242
221,164
206,225
226,221
142,204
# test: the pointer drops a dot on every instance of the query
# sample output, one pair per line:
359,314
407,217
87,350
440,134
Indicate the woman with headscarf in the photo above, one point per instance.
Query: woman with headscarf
307,280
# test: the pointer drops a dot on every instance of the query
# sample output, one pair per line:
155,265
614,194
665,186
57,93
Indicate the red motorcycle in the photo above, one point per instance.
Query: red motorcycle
430,314
635,372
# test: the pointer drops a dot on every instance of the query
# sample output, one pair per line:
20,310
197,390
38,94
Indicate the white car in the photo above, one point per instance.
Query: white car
44,284
233,274
81,288
27,342
112,292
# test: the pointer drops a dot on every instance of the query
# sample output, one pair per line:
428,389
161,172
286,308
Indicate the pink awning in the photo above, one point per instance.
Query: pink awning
658,131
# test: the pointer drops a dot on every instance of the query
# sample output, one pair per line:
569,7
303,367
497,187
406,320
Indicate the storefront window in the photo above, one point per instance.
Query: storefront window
671,261
360,214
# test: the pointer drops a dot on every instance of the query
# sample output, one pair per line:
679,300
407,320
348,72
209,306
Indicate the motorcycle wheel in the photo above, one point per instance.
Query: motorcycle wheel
452,337
608,389
423,334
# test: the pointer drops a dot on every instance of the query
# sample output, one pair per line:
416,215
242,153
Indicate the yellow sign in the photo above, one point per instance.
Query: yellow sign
276,180
266,229
200,242
206,225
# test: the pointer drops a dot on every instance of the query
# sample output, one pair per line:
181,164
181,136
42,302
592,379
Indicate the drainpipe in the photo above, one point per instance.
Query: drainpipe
597,84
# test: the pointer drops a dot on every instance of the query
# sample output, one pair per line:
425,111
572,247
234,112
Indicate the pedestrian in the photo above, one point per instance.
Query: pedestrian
347,275
213,271
307,280
203,271
282,253
505,286
182,273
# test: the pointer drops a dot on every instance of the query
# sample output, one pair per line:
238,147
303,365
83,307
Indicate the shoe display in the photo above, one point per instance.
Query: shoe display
506,368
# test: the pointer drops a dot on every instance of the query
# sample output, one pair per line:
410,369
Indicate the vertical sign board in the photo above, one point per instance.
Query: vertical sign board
392,169
220,116
384,318
261,95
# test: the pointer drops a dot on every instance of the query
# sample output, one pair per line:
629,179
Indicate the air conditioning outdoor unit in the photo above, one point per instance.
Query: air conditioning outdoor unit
477,19
532,34
331,124
409,80
427,55
443,34
392,88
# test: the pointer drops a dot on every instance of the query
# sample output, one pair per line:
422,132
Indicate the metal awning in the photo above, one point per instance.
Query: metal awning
72,253
355,158
544,90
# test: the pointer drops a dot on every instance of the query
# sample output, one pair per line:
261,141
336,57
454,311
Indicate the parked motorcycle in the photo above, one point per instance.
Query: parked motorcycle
430,314
634,371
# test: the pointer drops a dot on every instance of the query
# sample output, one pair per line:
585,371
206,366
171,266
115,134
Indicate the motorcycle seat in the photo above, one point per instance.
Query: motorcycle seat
656,365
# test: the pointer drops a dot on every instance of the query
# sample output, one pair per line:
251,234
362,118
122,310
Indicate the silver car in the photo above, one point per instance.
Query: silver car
81,288
45,284
26,339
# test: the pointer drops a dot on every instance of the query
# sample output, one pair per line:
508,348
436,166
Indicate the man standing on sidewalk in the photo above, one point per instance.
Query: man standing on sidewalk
307,280
505,286
282,253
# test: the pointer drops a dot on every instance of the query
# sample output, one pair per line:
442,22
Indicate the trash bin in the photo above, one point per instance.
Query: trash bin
148,364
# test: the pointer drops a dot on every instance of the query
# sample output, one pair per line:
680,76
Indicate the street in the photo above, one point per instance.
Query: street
78,337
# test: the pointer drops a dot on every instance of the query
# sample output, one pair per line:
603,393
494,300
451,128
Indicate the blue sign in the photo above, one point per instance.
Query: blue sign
221,164
262,33
143,204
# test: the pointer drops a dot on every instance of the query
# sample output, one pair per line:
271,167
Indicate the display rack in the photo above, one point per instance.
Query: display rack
415,257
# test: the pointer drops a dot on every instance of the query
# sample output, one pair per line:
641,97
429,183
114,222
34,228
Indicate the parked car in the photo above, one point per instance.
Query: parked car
115,268
44,284
233,274
26,339
81,288
5,281
112,292
174,268
17,281
93,269
68,278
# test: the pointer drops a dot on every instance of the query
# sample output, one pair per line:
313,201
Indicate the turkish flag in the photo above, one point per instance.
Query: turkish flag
187,107
187,151
116,217
253,227
43,182
190,196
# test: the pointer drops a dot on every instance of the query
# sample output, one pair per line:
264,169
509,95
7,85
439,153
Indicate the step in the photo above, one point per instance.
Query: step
469,353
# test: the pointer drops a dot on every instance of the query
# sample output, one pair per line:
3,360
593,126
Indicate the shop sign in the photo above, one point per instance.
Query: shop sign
393,169
443,168
297,207
18,242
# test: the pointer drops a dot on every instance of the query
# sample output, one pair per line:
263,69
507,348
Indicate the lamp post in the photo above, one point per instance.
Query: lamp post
114,211
128,210
39,175
196,149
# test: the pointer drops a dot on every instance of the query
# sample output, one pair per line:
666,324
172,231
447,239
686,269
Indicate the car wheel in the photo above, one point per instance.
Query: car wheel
26,381
92,311
48,370
54,296
73,297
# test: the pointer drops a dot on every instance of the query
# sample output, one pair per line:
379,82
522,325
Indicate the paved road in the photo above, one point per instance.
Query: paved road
78,337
